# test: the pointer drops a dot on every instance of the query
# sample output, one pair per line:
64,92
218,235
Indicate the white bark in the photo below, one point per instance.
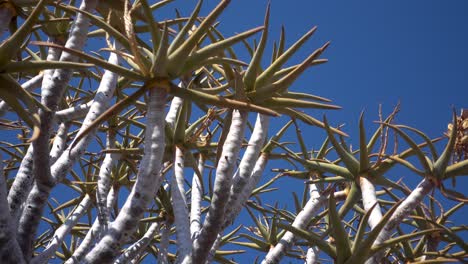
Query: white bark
301,221
51,93
85,245
171,116
369,198
215,218
243,174
247,190
138,247
403,210
181,215
104,185
21,185
10,251
103,96
311,256
197,195
60,142
164,244
73,113
144,188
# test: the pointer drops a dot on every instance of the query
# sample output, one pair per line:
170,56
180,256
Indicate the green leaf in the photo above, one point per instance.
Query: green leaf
265,77
263,92
12,93
158,66
338,231
220,101
251,72
425,137
99,62
294,95
181,123
217,47
261,228
393,241
312,238
362,253
362,228
352,198
457,169
179,55
180,37
10,47
363,154
308,119
152,24
440,166
348,159
280,102
22,66
414,146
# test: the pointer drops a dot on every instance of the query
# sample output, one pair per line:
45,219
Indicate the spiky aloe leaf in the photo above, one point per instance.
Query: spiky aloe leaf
281,43
363,154
264,92
251,72
362,228
122,71
180,54
260,243
307,119
183,32
425,137
351,163
217,47
457,169
107,28
414,146
393,241
442,162
12,93
313,238
153,25
343,247
274,67
181,123
280,102
295,95
22,66
352,198
363,250
158,65
261,227
10,47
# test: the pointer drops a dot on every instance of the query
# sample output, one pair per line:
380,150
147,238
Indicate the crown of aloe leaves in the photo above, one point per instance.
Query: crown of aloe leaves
164,61
354,245
156,64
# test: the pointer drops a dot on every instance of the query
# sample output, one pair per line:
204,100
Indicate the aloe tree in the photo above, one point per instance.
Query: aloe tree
148,138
